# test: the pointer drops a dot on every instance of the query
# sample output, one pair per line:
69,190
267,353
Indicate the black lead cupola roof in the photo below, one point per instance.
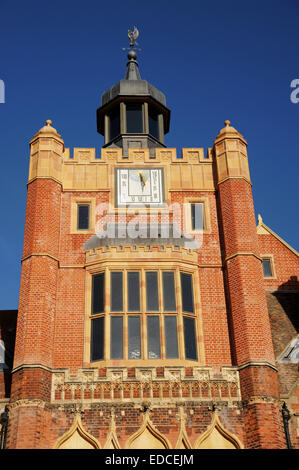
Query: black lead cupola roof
133,112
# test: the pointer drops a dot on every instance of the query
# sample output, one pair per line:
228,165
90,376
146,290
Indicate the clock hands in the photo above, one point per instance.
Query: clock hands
142,180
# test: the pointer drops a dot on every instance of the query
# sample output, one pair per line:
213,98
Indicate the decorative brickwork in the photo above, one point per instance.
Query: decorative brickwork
231,395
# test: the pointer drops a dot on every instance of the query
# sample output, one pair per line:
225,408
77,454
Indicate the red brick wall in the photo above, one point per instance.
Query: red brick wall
248,308
211,284
286,264
39,427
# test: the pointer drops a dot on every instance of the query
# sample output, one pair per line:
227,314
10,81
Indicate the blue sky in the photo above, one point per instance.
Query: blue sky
214,60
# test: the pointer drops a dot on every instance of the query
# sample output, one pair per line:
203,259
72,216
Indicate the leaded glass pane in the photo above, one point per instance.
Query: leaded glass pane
267,270
83,217
116,341
168,292
134,342
116,292
171,337
197,216
190,338
97,339
187,293
133,292
98,284
152,301
153,337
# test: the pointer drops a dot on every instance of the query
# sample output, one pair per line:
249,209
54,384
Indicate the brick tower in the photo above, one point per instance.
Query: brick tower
252,347
143,321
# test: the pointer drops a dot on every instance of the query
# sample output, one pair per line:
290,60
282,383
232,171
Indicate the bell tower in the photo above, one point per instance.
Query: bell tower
133,113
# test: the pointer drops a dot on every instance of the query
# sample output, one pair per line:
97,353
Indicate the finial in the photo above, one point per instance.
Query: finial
132,55
260,220
227,123
48,122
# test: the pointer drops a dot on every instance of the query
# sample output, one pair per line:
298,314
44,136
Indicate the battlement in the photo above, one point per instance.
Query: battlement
83,170
142,155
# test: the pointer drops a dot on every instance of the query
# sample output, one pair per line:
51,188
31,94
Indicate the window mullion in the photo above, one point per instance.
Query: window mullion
126,333
162,336
107,287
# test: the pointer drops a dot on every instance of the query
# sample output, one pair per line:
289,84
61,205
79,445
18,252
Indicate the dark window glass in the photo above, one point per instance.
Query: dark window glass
114,124
133,292
197,216
116,343
168,292
97,339
187,293
83,217
134,118
190,338
152,302
171,337
116,292
153,337
134,343
98,284
153,123
267,268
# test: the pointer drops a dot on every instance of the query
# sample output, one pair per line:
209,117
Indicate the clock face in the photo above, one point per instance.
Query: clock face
138,186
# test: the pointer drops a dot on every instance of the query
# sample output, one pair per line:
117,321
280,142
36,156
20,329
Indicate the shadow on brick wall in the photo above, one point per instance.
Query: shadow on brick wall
288,297
8,323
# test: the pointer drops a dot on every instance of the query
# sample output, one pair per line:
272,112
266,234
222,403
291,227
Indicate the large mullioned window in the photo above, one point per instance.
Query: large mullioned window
146,314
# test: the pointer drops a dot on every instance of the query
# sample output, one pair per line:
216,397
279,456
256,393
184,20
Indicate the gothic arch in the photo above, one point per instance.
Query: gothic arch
112,441
147,437
183,441
217,437
77,438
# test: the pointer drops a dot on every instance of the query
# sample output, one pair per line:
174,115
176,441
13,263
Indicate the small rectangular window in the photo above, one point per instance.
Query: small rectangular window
152,299
133,292
116,288
267,267
97,339
153,337
171,337
134,338
153,122
197,216
190,338
83,216
168,292
187,293
98,288
116,342
134,118
114,124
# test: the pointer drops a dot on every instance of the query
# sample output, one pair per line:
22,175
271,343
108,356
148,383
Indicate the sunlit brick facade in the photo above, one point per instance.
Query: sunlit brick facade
150,341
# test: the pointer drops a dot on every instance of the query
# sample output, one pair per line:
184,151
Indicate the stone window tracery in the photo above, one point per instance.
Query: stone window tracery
143,314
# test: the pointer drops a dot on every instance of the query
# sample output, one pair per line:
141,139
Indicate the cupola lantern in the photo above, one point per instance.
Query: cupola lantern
133,113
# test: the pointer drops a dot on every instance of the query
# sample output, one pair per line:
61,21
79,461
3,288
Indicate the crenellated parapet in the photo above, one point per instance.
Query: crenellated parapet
83,170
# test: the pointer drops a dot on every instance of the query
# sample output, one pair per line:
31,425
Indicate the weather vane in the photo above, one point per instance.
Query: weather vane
132,35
